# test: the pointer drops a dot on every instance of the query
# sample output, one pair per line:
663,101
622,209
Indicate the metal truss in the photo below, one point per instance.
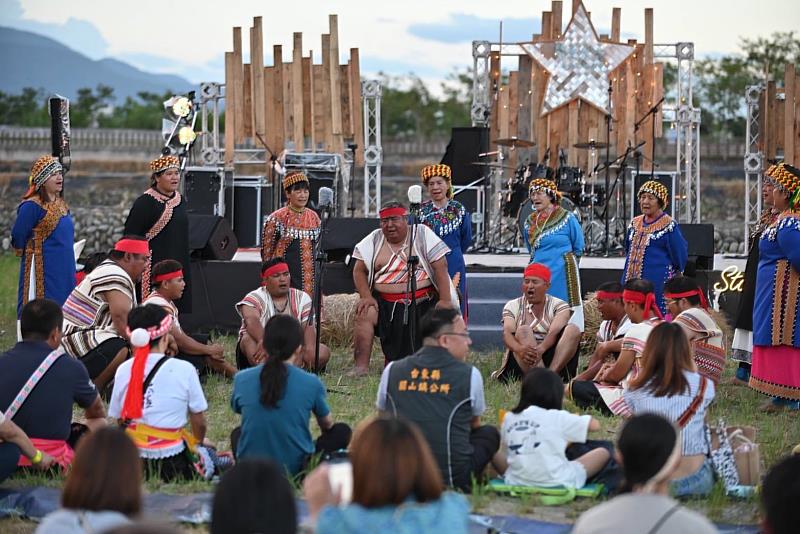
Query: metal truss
686,118
481,84
371,93
210,152
753,162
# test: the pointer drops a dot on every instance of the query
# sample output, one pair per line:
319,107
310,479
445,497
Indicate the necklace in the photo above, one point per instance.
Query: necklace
285,304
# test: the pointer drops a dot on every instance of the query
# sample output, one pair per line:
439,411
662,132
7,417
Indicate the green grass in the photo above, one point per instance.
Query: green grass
352,399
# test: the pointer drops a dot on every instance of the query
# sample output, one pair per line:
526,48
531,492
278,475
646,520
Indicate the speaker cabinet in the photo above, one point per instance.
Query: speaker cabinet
211,238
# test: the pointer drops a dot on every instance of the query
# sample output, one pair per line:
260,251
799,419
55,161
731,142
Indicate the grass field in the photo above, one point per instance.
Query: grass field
352,399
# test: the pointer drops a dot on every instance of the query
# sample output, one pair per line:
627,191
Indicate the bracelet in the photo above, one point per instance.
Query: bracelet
37,458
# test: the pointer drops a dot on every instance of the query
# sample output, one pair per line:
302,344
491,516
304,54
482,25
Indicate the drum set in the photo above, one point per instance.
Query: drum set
581,193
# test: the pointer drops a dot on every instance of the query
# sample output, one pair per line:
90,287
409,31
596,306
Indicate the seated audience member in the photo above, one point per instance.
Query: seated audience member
168,286
254,496
39,384
688,305
536,433
605,391
381,277
780,493
533,325
96,311
612,329
275,297
649,451
670,386
173,393
437,390
396,486
104,488
276,400
13,443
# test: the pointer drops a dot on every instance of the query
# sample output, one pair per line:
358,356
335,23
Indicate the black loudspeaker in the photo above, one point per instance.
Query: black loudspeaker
700,238
463,149
667,179
201,191
342,235
211,238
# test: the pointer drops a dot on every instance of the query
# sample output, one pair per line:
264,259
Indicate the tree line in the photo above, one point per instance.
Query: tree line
410,110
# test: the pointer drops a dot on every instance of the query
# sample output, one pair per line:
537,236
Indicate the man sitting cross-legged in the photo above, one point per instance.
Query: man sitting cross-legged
39,384
275,296
612,329
168,286
96,312
381,278
436,389
533,326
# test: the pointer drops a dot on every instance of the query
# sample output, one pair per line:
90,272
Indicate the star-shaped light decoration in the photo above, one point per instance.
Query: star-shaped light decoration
578,63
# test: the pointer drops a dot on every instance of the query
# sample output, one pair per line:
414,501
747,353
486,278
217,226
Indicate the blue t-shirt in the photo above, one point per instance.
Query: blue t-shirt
280,433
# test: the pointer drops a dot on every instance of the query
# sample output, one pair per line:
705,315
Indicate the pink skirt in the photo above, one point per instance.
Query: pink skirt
776,371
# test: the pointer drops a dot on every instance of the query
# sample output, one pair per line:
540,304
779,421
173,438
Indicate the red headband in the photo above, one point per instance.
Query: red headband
648,299
398,211
537,270
168,276
133,246
275,269
692,293
140,338
608,295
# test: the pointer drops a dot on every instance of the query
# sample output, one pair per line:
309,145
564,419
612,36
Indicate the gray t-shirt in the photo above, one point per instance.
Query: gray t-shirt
636,513
64,521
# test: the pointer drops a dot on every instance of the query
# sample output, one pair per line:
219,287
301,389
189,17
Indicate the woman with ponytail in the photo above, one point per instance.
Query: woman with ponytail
649,451
155,396
276,400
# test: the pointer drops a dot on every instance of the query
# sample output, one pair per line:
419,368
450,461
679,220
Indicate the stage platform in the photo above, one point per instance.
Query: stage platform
492,280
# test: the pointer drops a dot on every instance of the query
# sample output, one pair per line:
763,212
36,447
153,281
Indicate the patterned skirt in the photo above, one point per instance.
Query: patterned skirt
776,371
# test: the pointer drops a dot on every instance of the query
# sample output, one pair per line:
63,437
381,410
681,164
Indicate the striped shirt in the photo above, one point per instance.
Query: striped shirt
642,400
168,305
87,318
708,349
298,306
521,313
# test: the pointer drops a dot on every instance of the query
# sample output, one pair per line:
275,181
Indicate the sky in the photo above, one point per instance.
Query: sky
431,38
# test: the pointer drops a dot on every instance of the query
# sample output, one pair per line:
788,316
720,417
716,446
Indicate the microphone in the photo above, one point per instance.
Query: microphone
415,196
325,200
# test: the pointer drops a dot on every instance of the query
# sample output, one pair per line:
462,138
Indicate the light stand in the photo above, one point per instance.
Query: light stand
352,207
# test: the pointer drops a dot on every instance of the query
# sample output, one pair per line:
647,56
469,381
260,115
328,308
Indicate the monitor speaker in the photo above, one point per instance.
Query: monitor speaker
211,237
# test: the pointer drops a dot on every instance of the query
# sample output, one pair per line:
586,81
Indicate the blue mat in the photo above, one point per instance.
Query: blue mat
35,503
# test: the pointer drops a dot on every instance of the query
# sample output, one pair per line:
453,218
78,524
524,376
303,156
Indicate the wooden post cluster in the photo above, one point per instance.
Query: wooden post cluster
637,85
298,104
779,119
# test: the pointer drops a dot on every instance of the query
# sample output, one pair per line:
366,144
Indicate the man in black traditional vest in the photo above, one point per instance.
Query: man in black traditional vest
443,395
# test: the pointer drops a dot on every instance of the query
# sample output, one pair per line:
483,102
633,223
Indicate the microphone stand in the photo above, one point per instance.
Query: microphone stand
608,178
652,111
352,207
411,285
320,258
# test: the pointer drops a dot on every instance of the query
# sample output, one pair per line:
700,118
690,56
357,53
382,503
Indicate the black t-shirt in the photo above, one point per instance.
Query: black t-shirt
47,412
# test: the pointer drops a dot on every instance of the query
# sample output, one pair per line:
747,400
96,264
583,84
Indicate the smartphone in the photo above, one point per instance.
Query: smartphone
340,476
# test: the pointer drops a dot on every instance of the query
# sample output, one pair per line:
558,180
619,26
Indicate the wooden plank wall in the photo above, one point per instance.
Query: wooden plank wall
779,119
295,104
636,85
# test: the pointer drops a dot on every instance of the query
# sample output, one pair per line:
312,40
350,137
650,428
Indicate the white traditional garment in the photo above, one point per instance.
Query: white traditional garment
158,300
708,350
427,246
298,306
521,313
606,332
87,318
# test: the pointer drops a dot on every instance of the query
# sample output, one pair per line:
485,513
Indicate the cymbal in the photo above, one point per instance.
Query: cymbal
591,145
514,141
491,164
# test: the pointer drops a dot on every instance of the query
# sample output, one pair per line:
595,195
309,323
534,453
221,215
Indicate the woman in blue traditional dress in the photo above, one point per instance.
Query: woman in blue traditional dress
451,222
554,237
776,330
654,245
43,235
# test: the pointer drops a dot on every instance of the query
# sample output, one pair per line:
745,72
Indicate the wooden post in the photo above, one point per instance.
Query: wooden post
648,36
575,4
513,111
356,104
238,84
257,73
556,8
572,132
327,111
247,87
790,92
230,106
547,25
344,105
288,108
318,77
335,85
297,92
308,99
616,17
524,124
278,99
496,80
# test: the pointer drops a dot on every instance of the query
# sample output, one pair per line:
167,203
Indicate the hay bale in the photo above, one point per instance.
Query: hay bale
338,317
591,324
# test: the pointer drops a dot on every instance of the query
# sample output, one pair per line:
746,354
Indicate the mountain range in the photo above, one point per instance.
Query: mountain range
31,60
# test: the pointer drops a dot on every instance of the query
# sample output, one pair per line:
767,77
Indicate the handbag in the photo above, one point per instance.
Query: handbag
746,452
722,458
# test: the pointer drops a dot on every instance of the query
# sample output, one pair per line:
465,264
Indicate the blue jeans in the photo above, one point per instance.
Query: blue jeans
9,457
698,484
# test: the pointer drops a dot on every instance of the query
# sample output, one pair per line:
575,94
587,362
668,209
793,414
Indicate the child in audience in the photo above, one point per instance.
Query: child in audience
536,434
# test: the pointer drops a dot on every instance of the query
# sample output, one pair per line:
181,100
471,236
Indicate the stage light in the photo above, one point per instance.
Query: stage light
181,107
186,135
177,124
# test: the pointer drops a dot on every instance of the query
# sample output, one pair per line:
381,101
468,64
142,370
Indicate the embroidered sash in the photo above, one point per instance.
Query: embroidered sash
37,375
163,220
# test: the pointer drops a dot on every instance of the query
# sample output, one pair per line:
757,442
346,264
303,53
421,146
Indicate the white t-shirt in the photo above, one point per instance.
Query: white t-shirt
174,391
535,441
2,417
